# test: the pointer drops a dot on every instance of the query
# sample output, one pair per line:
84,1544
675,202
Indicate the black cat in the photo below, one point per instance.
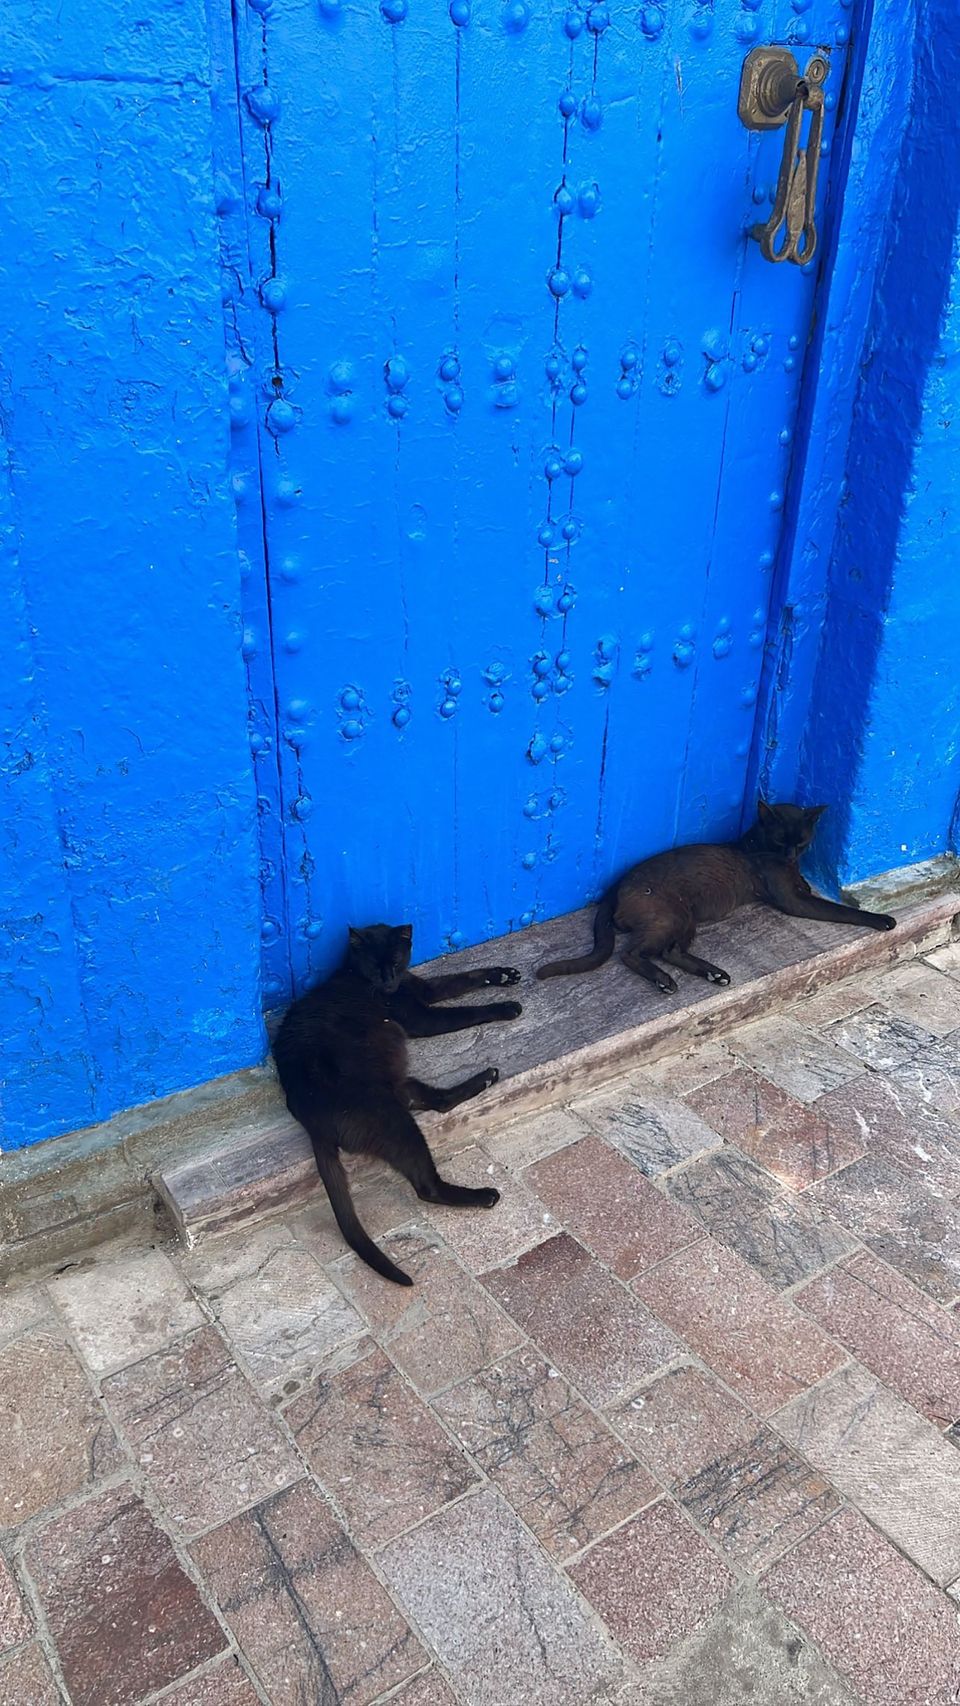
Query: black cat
662,900
341,1058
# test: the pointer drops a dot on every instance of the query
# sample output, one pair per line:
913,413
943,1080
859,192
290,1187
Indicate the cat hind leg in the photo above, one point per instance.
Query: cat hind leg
698,968
637,961
410,1154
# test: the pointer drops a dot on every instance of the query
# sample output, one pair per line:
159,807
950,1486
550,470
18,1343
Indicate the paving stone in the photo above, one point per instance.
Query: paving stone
522,1142
833,1002
896,1468
56,1439
527,1639
681,1422
125,1618
308,1614
877,1036
946,959
285,1317
653,1582
207,1445
428,1689
888,1631
786,1136
919,992
901,1220
611,1207
655,1131
121,1310
802,1062
896,1127
376,1448
743,1207
932,1076
756,1341
600,1337
26,1679
565,1474
20,1310
443,1328
217,1263
757,1500
909,1343
15,1625
225,1685
481,1238
747,1653
678,1074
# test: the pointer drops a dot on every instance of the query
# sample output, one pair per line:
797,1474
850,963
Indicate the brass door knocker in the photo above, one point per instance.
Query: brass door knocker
773,94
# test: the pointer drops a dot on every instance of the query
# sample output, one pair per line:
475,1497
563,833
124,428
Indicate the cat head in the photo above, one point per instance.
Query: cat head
786,830
381,954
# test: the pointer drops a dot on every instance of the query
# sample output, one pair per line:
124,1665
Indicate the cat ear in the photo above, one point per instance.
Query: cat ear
406,931
354,934
764,812
814,812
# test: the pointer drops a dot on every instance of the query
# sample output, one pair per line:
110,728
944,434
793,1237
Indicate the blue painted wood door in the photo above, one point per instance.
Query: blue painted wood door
514,400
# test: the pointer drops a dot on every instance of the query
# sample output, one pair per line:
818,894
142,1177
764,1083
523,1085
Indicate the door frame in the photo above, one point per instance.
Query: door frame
876,108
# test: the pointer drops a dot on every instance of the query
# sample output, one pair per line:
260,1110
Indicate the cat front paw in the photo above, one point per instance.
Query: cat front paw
488,1198
509,1010
883,921
718,976
502,974
491,1076
666,984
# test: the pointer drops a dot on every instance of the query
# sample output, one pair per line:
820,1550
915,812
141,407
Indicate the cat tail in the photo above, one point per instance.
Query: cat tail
604,936
333,1174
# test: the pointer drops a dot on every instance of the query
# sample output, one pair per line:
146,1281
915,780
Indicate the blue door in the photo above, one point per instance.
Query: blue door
514,397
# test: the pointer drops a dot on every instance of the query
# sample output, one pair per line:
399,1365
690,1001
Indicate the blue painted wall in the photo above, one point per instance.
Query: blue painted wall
128,837
863,703
304,635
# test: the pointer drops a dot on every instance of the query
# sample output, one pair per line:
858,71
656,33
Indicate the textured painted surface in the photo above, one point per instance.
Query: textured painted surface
489,507
128,832
908,758
865,704
524,430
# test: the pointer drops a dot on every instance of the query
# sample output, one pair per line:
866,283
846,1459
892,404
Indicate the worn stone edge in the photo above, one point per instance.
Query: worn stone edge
588,1068
62,1196
908,883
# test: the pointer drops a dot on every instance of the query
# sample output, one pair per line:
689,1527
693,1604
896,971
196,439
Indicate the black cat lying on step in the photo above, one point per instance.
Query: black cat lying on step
663,900
341,1055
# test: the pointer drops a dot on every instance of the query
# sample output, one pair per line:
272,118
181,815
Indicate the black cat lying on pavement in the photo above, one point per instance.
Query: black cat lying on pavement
662,901
341,1055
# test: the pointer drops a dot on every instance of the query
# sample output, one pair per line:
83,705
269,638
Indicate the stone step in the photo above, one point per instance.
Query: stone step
574,1034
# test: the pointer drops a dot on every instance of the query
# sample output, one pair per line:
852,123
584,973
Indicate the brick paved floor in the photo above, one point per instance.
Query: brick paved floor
677,1423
